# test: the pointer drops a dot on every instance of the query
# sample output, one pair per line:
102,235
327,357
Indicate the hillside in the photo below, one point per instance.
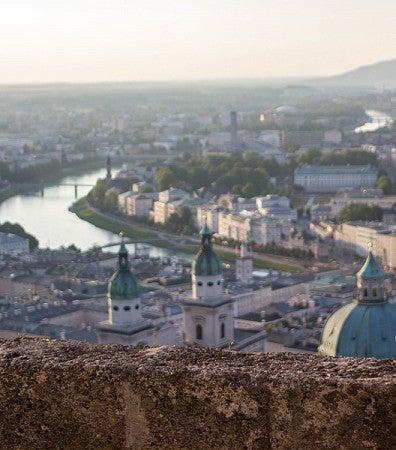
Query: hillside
381,74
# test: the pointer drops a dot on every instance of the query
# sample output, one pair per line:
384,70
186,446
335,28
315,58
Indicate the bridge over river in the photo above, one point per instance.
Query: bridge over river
75,185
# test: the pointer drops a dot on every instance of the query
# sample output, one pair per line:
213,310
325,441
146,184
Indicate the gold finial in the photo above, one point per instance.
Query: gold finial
121,234
370,247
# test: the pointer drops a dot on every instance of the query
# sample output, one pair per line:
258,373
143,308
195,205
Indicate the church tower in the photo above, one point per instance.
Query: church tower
125,324
366,327
244,266
108,169
208,314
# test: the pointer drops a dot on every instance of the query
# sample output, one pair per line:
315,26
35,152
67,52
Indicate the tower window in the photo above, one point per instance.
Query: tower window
127,308
136,306
198,332
374,292
218,283
210,283
199,283
115,308
222,331
365,293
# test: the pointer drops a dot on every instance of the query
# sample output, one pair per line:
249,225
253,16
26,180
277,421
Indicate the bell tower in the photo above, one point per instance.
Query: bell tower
208,314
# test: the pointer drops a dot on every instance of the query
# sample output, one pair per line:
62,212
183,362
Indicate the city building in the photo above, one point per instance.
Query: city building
251,226
13,245
364,328
335,178
209,312
353,237
165,206
139,205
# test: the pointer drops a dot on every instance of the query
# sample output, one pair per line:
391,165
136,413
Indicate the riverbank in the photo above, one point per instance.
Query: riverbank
54,178
86,212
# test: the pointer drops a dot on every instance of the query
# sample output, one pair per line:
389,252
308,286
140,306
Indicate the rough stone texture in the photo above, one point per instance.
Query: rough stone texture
69,395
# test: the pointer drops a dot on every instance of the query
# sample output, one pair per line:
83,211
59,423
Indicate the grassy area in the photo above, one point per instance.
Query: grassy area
230,257
271,265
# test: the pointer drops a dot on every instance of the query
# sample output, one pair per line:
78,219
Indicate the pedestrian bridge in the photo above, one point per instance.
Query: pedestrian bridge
75,185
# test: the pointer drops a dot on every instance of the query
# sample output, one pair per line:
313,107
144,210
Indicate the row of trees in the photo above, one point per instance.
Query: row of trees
315,157
359,211
244,174
248,174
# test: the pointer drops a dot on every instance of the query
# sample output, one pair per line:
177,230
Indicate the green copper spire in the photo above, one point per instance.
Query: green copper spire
370,268
206,263
123,284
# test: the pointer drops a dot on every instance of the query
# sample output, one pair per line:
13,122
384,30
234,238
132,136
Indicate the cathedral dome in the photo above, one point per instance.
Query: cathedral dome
361,330
123,284
206,263
366,327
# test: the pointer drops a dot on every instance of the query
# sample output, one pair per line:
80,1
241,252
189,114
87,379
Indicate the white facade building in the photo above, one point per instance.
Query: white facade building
335,178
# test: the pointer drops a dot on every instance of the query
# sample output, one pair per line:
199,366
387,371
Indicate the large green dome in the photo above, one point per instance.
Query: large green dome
365,328
361,330
123,284
206,263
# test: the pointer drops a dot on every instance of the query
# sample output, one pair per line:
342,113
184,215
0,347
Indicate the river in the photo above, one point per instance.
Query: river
377,120
49,220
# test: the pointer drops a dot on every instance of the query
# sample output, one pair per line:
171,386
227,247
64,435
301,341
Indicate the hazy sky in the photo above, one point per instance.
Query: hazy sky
135,40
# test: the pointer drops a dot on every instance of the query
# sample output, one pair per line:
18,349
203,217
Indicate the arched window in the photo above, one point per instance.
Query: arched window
222,331
210,283
115,308
374,292
199,283
127,308
365,293
198,331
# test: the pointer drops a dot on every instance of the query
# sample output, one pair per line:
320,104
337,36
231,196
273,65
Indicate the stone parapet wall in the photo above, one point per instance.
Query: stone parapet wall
69,395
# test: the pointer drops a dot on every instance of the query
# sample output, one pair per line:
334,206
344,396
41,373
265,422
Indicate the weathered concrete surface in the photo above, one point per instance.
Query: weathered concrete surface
68,395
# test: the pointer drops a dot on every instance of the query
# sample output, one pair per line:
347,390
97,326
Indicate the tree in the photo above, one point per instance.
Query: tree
110,201
385,184
165,178
310,156
73,248
359,211
248,190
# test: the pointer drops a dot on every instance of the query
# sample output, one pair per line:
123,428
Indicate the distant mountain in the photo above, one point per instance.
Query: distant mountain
381,74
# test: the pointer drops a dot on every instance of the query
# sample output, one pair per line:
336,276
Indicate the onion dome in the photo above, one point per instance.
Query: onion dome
123,284
366,327
370,268
206,263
